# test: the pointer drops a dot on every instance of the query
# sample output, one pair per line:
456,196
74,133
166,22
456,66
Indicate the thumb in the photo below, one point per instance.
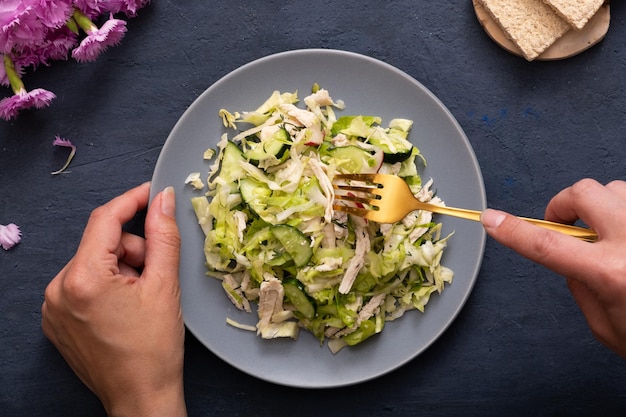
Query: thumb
162,238
551,249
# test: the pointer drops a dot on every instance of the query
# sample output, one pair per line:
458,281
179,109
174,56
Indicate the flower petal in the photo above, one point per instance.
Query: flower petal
10,235
129,7
53,13
59,141
111,33
11,106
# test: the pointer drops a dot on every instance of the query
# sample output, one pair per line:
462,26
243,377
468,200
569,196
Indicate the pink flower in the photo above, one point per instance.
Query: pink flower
10,236
97,40
55,46
36,32
13,16
28,24
53,13
11,106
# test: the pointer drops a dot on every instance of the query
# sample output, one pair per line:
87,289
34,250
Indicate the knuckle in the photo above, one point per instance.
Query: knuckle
52,294
583,187
618,187
97,213
76,290
49,293
49,308
67,294
610,273
615,184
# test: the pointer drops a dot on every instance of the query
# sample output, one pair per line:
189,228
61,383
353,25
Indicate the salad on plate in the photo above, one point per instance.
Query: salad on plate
274,240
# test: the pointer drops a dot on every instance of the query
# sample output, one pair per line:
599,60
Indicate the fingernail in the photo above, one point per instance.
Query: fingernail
168,202
492,218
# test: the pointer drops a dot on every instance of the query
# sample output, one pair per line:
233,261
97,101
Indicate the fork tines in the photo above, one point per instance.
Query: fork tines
356,193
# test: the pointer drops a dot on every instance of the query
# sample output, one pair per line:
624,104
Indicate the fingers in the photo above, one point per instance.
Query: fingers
162,238
603,208
570,204
134,250
104,230
551,249
619,188
600,207
102,238
128,270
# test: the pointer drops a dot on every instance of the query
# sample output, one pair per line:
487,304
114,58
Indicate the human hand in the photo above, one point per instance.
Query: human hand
114,310
595,272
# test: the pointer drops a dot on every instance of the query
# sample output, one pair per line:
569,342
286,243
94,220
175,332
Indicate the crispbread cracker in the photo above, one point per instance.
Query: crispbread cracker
531,24
576,12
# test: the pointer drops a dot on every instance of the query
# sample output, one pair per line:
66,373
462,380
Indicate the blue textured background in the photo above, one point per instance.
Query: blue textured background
520,347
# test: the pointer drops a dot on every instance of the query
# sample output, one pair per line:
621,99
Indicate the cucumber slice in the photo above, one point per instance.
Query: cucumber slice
255,193
394,141
295,243
274,147
392,158
295,295
230,169
394,145
262,151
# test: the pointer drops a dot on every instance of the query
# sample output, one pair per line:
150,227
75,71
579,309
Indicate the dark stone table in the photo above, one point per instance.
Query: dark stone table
520,346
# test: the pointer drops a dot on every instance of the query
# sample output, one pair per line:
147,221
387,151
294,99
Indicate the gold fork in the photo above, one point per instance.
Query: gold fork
385,198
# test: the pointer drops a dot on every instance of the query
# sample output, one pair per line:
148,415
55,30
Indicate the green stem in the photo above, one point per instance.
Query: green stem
67,163
83,21
14,78
71,24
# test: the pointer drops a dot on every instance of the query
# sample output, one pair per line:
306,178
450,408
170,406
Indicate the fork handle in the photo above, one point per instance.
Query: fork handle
575,231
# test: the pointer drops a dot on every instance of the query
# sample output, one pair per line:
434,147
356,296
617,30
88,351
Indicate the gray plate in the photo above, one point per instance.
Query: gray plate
369,87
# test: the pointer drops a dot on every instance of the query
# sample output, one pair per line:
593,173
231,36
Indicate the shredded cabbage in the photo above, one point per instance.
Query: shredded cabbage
347,277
